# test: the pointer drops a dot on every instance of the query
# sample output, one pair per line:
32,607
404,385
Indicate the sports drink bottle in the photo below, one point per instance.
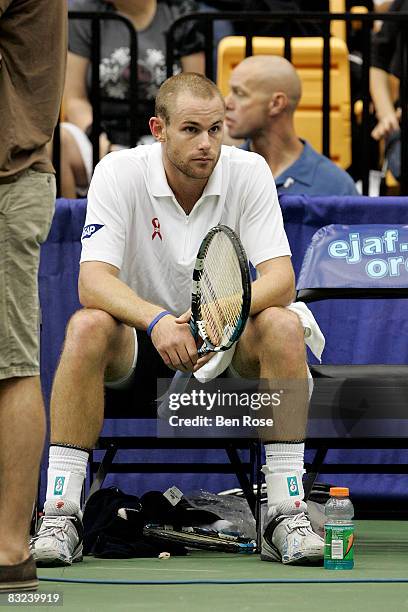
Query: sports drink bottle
339,530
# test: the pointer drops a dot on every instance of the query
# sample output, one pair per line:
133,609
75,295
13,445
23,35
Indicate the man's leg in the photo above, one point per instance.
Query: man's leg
22,430
73,171
272,348
96,347
27,206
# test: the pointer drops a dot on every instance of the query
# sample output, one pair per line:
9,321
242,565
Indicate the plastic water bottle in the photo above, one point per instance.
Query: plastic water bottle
339,530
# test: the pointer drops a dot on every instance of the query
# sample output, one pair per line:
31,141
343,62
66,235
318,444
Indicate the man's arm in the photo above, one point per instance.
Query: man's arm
194,62
276,285
384,108
264,239
384,61
78,109
99,287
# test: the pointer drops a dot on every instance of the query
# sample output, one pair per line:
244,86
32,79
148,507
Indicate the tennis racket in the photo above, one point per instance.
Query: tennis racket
204,539
220,300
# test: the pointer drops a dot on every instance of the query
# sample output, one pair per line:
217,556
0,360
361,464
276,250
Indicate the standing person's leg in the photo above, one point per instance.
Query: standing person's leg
22,430
272,349
26,208
77,408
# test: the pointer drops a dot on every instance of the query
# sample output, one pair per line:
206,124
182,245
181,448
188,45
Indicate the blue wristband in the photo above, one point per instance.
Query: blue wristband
156,320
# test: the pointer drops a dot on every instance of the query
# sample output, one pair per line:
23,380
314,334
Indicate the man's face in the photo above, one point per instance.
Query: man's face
246,103
193,137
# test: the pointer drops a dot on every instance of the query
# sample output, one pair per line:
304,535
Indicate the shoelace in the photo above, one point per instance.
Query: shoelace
299,522
53,526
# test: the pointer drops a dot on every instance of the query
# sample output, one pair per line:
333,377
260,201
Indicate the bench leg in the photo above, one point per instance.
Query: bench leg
103,470
242,477
310,477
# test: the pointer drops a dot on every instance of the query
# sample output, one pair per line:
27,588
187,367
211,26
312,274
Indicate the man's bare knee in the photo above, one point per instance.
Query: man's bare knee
69,148
90,333
280,330
71,157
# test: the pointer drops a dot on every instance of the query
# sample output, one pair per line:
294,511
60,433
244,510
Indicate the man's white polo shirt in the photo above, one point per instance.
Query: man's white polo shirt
135,223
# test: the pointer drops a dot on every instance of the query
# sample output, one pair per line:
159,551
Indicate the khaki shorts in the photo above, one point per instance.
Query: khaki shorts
26,210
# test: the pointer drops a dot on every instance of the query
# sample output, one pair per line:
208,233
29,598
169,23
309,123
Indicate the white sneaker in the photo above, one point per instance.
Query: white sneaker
58,541
288,536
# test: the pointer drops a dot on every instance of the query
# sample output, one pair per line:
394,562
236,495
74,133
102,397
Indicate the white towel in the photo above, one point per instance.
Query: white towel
215,366
314,339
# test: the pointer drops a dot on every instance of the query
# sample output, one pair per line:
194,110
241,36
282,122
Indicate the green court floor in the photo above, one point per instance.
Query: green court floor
381,553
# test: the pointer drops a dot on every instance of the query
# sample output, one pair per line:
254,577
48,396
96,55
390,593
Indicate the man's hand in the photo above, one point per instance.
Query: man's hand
174,342
387,125
182,320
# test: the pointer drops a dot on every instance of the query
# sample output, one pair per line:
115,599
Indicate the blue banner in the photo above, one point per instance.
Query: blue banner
356,256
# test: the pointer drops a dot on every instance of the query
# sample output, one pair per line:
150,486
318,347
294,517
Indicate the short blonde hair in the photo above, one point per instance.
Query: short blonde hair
186,82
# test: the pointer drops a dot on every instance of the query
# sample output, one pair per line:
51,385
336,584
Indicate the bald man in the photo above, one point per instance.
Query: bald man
264,93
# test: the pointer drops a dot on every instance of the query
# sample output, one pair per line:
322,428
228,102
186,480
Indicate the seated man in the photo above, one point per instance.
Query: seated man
148,210
265,91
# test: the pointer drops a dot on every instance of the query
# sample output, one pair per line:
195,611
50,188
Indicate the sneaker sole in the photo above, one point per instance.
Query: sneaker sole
25,585
299,561
50,560
271,553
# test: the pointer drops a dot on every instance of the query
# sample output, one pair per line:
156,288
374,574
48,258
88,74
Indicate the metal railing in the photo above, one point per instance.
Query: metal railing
247,22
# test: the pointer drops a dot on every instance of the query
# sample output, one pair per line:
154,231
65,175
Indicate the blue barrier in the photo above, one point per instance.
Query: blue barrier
371,332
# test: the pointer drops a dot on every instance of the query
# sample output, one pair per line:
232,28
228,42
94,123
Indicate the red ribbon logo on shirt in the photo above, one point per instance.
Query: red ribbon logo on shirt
156,229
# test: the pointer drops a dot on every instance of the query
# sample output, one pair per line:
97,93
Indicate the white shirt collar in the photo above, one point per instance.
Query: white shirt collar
157,176
158,180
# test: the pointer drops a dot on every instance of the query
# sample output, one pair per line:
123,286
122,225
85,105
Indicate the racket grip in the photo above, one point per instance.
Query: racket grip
193,328
178,385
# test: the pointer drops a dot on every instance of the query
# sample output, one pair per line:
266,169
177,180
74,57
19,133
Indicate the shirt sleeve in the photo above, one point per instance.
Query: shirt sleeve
339,180
348,186
188,37
261,222
80,30
386,43
104,235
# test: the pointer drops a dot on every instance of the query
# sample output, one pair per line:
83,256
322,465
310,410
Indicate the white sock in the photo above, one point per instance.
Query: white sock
284,457
66,475
283,473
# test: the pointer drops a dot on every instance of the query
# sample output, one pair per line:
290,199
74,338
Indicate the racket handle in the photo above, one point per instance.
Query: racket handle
177,385
193,329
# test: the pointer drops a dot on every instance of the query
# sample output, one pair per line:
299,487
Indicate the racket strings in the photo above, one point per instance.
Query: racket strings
221,290
215,316
225,303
